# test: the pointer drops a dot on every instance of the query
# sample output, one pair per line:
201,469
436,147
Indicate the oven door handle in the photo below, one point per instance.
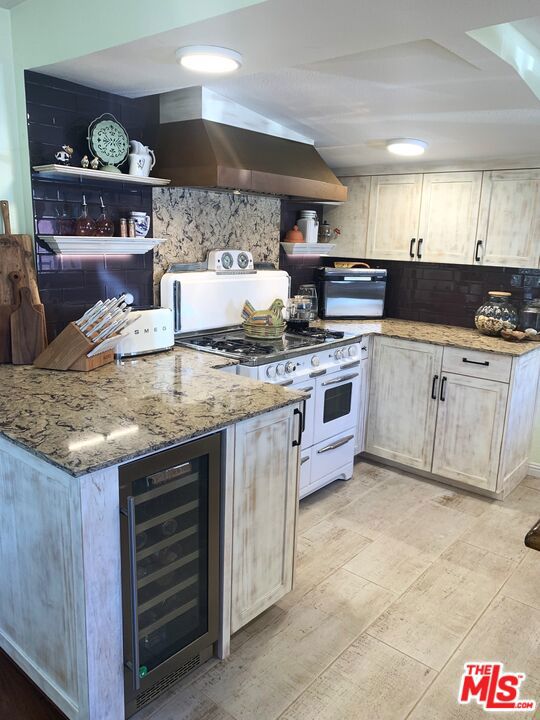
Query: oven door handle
336,445
306,390
133,664
317,373
343,378
285,383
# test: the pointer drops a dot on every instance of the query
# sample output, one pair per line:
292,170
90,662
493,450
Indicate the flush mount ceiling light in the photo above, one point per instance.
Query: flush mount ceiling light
406,146
209,59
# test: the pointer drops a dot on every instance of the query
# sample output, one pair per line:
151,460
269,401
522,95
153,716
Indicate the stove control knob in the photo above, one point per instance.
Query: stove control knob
280,369
290,367
270,371
353,350
338,354
315,361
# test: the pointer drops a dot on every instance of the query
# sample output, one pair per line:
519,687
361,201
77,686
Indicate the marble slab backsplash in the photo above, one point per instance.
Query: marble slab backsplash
192,222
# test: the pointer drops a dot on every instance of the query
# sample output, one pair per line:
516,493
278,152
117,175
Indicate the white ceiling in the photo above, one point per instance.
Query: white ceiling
350,73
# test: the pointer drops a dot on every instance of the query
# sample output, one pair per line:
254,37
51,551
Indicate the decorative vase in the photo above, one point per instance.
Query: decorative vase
496,314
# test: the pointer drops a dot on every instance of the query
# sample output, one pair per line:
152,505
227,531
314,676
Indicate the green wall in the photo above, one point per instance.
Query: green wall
11,183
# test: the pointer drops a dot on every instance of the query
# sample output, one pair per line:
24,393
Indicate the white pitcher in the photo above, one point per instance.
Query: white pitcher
141,160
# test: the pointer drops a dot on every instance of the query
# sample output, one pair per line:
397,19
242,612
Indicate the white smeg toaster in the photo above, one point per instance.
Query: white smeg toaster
152,331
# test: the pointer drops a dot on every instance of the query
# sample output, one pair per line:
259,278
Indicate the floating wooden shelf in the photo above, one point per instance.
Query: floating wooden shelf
308,248
76,245
60,172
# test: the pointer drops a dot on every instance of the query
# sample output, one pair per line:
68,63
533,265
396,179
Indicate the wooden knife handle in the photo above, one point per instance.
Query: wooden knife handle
4,206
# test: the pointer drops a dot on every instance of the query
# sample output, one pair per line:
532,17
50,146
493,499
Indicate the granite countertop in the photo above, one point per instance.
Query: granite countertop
450,335
82,422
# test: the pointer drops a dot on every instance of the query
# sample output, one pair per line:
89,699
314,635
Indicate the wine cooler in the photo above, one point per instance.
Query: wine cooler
169,504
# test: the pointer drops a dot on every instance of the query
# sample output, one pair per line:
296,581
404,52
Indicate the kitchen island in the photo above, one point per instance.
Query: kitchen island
63,437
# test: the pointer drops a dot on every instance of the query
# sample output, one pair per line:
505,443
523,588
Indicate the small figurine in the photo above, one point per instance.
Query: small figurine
63,156
85,162
94,164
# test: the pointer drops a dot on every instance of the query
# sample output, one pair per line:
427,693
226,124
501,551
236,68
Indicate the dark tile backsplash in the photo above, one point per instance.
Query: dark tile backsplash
430,292
59,113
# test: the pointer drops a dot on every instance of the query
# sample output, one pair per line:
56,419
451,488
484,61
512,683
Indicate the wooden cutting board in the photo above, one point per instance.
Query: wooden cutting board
5,332
27,326
16,255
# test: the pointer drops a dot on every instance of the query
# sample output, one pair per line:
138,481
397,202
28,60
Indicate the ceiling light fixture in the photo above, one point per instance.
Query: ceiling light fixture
407,147
209,59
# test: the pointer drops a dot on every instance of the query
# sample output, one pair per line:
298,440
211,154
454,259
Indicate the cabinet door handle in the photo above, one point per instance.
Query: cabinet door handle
479,244
434,387
298,441
411,247
418,253
336,445
133,664
443,388
476,362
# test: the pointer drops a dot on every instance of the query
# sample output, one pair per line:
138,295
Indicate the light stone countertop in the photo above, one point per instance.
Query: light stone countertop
449,335
82,422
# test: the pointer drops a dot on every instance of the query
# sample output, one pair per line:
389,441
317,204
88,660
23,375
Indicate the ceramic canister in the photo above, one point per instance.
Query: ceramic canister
142,223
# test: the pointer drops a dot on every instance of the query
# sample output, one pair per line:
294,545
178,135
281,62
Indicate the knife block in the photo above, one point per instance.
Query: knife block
68,351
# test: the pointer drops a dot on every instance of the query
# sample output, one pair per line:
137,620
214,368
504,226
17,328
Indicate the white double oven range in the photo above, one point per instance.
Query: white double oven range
325,365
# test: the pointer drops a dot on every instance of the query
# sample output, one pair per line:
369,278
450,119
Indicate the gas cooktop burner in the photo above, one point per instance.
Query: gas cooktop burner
235,344
238,346
316,333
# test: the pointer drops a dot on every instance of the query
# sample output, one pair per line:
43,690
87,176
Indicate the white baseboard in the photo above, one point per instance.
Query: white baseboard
534,469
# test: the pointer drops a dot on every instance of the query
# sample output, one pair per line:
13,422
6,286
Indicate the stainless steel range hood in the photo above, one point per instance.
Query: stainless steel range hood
196,150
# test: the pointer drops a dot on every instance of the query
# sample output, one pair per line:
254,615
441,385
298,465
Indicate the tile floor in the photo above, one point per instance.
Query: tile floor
399,582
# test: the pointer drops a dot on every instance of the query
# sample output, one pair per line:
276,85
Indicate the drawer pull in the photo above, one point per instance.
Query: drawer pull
343,378
304,460
336,445
355,363
485,363
434,388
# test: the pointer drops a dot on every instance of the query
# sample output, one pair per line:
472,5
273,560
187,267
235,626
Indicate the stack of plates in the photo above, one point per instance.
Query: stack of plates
264,332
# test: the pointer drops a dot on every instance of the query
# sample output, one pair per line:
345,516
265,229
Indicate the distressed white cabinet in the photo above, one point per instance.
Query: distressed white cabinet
509,223
470,423
449,217
462,415
360,440
402,413
265,505
394,210
351,218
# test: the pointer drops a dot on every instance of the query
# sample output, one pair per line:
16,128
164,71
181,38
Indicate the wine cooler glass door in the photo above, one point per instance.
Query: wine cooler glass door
170,553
